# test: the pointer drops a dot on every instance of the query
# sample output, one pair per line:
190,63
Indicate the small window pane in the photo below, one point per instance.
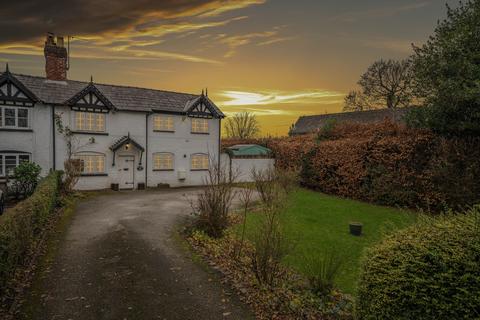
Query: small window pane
200,125
92,163
163,161
200,162
9,117
23,158
163,123
23,118
10,164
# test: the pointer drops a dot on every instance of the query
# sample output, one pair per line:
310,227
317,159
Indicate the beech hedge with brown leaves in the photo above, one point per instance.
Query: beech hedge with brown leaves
385,163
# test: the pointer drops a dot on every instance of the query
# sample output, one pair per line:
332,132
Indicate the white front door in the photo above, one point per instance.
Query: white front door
126,165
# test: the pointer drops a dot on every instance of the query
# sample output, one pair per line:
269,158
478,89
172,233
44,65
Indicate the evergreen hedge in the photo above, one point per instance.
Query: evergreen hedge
22,225
428,271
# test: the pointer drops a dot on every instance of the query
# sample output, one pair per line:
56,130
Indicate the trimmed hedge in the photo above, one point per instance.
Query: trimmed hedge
396,166
428,271
22,225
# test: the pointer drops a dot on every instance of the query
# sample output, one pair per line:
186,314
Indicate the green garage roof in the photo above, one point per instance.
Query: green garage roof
249,150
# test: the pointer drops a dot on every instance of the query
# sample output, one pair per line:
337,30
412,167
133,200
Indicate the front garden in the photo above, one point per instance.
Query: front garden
316,223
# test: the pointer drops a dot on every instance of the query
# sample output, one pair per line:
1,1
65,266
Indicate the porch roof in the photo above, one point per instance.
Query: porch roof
123,141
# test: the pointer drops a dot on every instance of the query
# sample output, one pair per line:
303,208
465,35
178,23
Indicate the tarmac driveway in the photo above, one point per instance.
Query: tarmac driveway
118,260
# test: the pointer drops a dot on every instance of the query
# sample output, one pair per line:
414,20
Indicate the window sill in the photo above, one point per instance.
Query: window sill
94,175
198,169
16,129
200,132
163,169
167,131
91,133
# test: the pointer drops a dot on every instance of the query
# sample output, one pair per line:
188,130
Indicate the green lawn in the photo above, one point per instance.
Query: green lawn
316,222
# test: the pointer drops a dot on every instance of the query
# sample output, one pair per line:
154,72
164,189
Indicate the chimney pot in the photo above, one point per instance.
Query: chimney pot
60,41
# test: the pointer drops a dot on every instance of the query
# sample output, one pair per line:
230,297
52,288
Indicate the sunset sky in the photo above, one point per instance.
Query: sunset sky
277,58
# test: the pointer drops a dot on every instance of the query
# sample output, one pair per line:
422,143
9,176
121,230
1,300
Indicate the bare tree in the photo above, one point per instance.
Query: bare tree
72,166
242,125
386,84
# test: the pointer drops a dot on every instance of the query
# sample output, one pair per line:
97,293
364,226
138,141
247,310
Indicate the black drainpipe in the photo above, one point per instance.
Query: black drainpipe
53,138
146,150
219,143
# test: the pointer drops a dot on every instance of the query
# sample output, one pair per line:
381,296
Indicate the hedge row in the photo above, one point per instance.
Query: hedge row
22,225
385,163
430,270
397,166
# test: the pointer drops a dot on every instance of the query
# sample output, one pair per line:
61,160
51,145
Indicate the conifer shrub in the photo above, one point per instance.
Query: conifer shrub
427,271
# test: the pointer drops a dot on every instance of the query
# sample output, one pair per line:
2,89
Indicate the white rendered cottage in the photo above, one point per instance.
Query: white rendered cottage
124,135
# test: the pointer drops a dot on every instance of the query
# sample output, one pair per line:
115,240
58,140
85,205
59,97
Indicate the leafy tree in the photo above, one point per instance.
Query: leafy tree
447,73
385,84
242,125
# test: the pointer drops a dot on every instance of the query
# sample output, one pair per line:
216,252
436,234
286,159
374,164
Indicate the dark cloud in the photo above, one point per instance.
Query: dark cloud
28,20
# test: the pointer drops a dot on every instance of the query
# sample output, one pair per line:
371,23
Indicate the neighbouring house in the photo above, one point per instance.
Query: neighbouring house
241,159
309,124
123,135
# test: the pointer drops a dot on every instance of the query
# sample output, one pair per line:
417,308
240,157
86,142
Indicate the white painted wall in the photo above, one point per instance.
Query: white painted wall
182,143
243,167
37,140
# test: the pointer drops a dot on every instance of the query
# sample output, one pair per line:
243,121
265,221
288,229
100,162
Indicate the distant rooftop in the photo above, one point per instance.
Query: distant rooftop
308,124
248,150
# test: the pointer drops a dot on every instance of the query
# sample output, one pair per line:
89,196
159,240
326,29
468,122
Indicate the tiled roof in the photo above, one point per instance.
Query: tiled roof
307,124
122,97
248,150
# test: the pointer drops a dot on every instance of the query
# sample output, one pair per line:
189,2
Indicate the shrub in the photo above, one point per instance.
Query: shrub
213,202
427,271
321,271
25,178
269,241
22,225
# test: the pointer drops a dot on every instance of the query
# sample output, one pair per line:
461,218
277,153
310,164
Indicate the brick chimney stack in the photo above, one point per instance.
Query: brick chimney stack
55,58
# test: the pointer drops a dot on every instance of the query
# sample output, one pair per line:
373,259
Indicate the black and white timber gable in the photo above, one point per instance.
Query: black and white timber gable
90,99
14,93
202,107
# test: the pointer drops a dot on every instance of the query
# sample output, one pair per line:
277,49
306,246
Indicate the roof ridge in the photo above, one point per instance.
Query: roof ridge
355,112
110,85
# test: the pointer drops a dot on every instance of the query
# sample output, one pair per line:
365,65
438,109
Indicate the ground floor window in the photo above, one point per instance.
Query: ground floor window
200,161
92,163
9,161
163,161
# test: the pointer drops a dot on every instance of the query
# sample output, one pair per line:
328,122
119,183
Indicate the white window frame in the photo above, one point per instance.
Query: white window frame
198,128
163,123
3,164
202,167
160,167
15,126
90,157
95,116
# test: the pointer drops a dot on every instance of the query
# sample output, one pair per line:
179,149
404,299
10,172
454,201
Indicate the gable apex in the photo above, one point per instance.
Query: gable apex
90,99
13,92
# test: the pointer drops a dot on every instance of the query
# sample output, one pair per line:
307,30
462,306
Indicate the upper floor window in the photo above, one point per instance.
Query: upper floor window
13,117
89,121
9,161
200,161
92,163
163,123
163,161
199,125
